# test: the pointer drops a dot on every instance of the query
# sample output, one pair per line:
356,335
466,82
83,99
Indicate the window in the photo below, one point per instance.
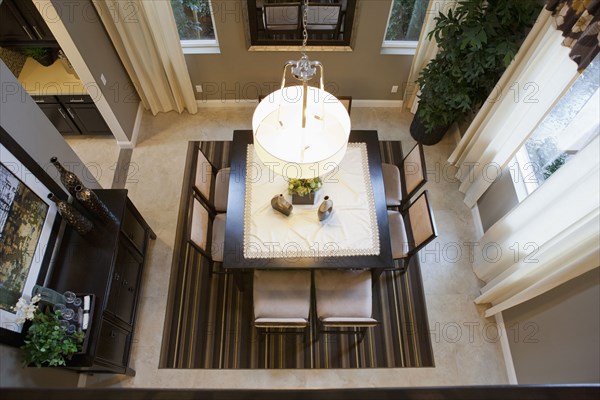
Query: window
404,26
571,124
194,19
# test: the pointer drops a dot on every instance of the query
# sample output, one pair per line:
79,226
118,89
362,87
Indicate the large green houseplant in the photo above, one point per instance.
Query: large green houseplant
477,40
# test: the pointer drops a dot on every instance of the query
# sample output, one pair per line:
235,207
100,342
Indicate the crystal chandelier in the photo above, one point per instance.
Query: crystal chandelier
301,131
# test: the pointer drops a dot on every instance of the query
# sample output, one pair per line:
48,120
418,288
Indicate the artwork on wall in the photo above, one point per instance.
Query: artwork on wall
28,229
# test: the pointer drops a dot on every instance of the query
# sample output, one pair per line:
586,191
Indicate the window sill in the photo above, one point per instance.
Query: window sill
399,48
200,47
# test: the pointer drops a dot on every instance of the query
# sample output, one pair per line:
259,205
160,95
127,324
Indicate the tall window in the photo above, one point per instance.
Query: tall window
571,124
194,19
404,26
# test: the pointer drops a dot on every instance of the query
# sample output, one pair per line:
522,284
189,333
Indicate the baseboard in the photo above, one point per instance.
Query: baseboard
377,103
505,346
477,221
253,103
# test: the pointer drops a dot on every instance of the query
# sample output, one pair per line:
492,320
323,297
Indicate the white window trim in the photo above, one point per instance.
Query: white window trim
399,47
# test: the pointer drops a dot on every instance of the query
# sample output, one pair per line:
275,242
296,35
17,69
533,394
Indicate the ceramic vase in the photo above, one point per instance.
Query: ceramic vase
92,203
325,209
81,224
279,203
68,179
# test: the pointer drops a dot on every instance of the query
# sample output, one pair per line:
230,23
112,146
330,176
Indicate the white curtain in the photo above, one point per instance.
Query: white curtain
426,50
530,86
145,37
551,237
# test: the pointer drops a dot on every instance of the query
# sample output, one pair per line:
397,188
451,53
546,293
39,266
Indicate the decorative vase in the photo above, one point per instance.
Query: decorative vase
279,203
92,203
68,179
73,217
304,200
325,209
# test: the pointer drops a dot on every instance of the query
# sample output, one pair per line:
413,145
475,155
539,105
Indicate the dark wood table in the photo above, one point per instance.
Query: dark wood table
234,259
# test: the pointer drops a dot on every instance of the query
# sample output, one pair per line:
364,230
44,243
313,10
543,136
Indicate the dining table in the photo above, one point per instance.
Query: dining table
355,236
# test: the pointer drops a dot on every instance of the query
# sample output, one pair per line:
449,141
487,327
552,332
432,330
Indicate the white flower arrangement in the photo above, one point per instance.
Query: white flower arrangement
25,309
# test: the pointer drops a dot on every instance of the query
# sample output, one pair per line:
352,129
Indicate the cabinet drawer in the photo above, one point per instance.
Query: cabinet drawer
82,99
45,99
133,229
124,285
113,344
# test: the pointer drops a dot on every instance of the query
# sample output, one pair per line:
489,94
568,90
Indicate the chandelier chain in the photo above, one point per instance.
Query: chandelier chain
304,23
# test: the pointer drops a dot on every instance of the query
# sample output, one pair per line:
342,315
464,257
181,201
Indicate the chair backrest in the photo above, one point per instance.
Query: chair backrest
200,226
281,16
205,173
324,17
413,171
346,101
422,223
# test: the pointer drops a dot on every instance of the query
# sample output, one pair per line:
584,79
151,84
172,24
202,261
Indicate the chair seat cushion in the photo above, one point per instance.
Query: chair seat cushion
218,237
222,189
281,295
280,322
391,184
398,235
343,294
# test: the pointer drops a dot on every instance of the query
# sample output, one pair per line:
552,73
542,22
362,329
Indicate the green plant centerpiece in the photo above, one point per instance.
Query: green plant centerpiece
476,41
303,190
47,342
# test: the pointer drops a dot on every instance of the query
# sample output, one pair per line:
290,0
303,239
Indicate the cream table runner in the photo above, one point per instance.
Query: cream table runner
351,229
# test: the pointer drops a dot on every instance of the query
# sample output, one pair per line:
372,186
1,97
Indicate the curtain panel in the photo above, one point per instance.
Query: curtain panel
426,51
146,38
551,237
579,22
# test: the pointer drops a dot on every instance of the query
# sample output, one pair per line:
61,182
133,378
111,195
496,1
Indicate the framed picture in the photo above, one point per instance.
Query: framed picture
29,224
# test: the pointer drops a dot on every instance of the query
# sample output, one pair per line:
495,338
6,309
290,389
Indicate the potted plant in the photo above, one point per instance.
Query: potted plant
303,190
43,55
476,41
47,342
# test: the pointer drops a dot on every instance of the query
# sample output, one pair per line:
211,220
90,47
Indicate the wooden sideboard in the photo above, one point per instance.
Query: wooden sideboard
107,262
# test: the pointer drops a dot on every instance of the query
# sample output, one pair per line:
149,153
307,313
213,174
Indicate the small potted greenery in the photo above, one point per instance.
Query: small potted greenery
47,342
43,55
303,191
476,41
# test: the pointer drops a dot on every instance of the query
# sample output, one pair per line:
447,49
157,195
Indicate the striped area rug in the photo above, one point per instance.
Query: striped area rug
209,321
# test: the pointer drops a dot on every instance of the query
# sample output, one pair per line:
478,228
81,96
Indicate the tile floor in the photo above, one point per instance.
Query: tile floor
466,345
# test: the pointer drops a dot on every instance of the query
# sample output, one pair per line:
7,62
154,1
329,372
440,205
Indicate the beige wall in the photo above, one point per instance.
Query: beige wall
237,73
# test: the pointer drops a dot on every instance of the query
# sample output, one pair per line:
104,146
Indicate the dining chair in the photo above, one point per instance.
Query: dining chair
346,101
324,19
207,233
401,184
344,301
281,18
281,301
212,184
421,229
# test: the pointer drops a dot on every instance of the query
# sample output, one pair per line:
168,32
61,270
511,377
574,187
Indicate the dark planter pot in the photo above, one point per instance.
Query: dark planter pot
303,200
420,134
49,58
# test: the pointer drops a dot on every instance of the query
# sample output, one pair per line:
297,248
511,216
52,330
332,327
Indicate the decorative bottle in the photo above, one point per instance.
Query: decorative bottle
279,203
68,178
325,209
73,217
92,203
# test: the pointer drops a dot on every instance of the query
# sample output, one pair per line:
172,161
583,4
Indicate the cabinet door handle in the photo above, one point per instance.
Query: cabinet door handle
125,283
37,32
70,113
40,100
60,110
113,334
77,101
27,32
117,277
